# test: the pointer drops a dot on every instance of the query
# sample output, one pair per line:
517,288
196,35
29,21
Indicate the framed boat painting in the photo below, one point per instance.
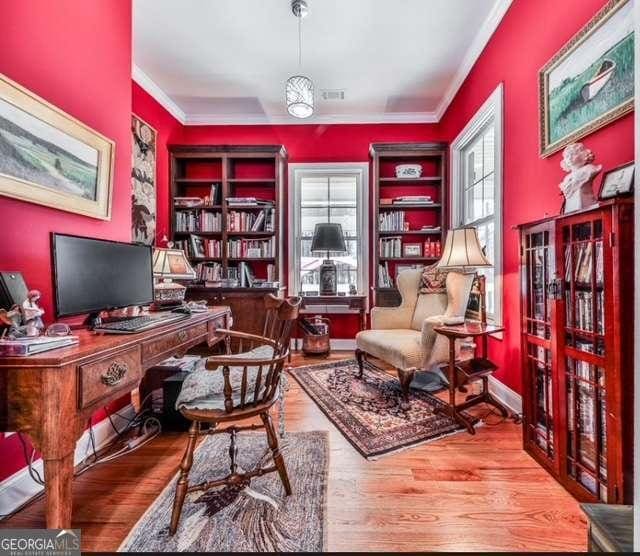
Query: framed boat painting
50,158
590,81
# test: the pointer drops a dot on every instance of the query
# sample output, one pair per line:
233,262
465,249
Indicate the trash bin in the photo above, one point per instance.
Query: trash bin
316,336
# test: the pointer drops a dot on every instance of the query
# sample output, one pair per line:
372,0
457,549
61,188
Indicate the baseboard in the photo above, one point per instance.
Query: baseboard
19,487
506,395
338,344
343,344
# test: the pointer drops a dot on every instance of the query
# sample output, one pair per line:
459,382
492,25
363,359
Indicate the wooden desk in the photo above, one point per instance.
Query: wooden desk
460,373
50,396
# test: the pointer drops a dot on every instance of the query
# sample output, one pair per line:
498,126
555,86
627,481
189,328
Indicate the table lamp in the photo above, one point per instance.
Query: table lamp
462,252
170,264
328,237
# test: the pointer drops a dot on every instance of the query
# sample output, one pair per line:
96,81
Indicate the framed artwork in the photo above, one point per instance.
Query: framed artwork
143,182
618,181
50,158
197,246
412,250
473,306
590,81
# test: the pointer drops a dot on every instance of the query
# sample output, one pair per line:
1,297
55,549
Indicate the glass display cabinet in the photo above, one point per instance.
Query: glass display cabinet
577,345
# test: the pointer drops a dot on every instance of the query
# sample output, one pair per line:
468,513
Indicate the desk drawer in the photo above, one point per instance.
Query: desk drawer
108,376
167,345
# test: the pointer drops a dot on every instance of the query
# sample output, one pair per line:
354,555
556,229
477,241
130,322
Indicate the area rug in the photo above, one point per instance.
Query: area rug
258,519
369,412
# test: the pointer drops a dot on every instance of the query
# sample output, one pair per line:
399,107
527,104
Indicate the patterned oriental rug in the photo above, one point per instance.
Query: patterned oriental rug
369,412
259,518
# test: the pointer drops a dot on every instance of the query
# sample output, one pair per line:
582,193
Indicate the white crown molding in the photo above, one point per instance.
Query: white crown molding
479,43
394,118
149,85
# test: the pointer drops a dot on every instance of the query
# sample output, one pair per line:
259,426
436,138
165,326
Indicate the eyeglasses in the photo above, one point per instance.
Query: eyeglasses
58,329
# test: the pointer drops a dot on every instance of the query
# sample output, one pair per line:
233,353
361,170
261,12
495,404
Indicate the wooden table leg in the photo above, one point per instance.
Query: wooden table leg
58,477
453,411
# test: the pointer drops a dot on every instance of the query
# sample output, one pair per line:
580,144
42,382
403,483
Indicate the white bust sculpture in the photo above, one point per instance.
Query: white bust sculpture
577,184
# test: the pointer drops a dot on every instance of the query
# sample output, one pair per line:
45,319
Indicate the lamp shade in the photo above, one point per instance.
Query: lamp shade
328,237
462,250
299,92
172,263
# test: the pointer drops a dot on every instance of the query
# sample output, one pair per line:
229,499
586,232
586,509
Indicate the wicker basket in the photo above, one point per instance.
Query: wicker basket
317,344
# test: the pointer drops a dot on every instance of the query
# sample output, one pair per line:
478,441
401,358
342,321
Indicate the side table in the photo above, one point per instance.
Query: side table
463,372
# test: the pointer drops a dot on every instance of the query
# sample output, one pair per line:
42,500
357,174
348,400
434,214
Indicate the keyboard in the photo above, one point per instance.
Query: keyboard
138,324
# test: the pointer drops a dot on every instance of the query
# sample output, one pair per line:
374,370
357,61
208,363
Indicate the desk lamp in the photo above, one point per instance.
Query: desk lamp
328,237
170,264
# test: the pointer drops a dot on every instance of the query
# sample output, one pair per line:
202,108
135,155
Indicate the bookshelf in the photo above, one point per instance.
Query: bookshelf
577,348
396,223
224,238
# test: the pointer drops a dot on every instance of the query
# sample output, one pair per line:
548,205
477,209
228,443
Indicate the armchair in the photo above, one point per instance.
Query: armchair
404,336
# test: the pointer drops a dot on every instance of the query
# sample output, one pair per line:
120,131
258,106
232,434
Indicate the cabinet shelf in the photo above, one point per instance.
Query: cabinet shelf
411,232
410,206
401,181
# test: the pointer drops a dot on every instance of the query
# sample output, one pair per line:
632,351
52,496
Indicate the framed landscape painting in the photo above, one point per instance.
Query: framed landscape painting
50,158
590,81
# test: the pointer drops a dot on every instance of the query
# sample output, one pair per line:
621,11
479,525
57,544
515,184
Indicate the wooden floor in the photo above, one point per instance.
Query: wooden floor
461,493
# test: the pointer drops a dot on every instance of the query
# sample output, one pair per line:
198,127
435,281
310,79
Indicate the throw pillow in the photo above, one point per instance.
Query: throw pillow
433,280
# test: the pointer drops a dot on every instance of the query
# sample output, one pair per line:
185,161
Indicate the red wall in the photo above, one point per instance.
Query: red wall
168,131
76,55
528,36
317,143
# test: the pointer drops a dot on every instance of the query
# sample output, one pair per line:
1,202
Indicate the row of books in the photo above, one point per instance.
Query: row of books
239,221
198,221
408,200
384,277
390,247
251,201
207,201
208,272
584,311
197,247
432,248
251,248
392,221
583,270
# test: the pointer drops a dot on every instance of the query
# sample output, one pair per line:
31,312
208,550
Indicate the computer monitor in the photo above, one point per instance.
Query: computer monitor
92,275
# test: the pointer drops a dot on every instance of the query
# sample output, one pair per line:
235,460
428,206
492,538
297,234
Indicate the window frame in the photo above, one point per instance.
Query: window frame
296,173
491,110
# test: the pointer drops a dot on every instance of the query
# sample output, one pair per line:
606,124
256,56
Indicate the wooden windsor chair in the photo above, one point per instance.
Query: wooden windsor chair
236,387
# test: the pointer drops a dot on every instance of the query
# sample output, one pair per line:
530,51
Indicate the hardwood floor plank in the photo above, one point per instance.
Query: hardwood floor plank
460,493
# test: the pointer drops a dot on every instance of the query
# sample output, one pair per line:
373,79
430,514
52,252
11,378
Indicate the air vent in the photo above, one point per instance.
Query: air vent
332,94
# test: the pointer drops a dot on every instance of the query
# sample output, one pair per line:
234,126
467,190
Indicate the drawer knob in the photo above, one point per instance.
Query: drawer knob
114,374
182,335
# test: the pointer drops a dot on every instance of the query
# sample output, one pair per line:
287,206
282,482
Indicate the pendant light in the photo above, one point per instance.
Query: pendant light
299,88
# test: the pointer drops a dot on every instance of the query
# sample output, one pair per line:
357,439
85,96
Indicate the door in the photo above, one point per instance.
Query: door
540,388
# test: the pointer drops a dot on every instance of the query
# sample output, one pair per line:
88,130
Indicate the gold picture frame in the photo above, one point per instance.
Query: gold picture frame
50,158
581,102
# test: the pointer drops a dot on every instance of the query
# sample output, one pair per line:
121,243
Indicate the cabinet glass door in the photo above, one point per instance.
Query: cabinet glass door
539,270
582,354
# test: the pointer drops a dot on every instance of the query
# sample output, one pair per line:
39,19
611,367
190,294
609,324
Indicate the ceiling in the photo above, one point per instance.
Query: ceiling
227,61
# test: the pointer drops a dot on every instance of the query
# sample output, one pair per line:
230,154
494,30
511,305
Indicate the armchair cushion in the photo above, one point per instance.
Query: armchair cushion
204,389
400,347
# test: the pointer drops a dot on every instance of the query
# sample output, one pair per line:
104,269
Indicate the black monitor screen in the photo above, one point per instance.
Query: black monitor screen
93,274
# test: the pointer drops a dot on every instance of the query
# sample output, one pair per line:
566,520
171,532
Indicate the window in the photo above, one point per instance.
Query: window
477,190
327,193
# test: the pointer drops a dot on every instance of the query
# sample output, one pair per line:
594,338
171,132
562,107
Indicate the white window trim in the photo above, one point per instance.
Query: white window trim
491,109
296,171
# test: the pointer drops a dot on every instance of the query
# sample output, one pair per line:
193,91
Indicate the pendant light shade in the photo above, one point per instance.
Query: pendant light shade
299,93
299,88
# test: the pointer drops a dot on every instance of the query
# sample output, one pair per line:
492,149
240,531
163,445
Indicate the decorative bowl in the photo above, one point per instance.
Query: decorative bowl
408,171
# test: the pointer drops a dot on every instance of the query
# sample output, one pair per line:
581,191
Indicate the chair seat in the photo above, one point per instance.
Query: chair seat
204,389
399,347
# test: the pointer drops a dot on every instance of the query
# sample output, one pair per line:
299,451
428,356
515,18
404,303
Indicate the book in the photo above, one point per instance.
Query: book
31,346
